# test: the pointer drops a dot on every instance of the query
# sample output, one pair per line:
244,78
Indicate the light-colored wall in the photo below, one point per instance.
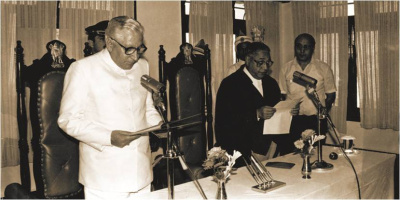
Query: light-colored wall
386,140
286,33
162,23
12,175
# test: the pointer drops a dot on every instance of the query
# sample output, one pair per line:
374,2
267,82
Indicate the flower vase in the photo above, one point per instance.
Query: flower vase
221,192
306,169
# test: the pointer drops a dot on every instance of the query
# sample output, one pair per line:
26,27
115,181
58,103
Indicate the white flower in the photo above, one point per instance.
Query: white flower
231,162
222,163
307,133
236,155
319,137
214,150
299,144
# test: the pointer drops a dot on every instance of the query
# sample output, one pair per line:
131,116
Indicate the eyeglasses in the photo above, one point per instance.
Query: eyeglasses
269,63
130,50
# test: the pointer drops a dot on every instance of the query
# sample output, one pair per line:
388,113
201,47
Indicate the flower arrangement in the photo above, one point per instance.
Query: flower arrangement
221,162
305,144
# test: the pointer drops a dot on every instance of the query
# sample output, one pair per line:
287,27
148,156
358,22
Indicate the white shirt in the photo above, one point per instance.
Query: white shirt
317,69
233,68
100,97
256,82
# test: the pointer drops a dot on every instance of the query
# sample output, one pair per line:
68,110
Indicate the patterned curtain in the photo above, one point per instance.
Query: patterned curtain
34,23
377,42
327,21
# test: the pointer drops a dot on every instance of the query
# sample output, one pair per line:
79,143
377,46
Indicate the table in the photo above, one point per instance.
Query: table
375,172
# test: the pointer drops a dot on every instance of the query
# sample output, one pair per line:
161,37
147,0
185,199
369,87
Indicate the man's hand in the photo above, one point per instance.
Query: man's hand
122,138
265,112
330,98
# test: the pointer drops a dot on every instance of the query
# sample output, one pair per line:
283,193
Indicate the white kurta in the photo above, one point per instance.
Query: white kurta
100,97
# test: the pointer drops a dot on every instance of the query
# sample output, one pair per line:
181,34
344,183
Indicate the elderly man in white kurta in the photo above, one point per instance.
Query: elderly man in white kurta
102,104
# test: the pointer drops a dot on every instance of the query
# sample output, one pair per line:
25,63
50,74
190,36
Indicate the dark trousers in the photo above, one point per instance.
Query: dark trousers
300,123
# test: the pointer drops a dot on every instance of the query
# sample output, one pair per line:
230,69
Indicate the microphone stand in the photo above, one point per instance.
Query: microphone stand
319,164
172,151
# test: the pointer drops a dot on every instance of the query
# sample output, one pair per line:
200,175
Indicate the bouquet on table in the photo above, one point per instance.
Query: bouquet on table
221,162
305,144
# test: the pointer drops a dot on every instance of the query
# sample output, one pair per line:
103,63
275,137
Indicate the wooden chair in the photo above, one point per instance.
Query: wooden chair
59,153
189,95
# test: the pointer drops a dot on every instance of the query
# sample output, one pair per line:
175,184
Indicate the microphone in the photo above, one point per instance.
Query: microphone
304,80
151,84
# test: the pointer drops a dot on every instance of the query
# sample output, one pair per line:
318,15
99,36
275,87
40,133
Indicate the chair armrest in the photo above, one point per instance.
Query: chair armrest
16,191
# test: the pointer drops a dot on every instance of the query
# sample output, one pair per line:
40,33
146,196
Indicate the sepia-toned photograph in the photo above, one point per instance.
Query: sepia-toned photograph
193,99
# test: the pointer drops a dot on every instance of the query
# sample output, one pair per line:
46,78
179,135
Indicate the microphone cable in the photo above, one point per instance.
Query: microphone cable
347,157
316,102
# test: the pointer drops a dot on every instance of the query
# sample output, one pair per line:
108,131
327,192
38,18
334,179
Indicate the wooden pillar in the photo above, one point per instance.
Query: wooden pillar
162,74
209,116
22,119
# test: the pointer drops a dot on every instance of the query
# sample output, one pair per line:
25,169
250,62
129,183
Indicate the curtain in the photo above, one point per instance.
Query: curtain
75,16
327,21
9,127
21,20
36,26
213,22
377,42
266,14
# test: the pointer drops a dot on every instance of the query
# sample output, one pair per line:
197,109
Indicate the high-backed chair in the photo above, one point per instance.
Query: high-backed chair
188,79
59,152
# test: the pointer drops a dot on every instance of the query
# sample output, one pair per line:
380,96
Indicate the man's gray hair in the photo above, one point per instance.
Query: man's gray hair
123,22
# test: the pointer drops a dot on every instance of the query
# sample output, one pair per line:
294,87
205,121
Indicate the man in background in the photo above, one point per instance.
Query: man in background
103,105
304,46
241,45
96,35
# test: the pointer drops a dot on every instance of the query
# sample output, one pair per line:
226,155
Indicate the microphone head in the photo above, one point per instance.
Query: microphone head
304,80
151,84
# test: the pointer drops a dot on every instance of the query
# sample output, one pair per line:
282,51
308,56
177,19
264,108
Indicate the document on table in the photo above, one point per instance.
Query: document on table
280,122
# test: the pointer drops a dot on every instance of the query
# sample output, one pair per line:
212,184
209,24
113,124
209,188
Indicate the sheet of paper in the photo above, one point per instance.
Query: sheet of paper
280,122
146,130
